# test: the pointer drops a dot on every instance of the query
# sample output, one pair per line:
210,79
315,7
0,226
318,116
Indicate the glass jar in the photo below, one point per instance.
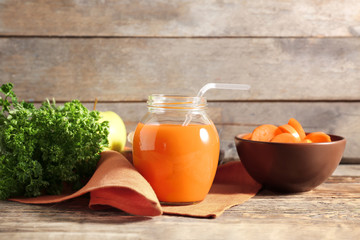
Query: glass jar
176,148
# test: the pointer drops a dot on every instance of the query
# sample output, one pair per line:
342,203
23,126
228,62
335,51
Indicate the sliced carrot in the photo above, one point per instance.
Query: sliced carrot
247,136
318,137
292,132
278,131
297,126
285,138
263,133
289,129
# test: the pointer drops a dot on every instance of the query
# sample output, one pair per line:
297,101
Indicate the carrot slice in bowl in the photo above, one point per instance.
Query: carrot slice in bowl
264,133
297,126
317,137
247,136
285,138
289,129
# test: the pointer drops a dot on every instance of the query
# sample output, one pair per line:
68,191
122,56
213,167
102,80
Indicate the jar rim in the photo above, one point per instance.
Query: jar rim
175,101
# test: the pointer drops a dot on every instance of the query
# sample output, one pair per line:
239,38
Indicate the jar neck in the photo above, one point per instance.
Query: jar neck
161,102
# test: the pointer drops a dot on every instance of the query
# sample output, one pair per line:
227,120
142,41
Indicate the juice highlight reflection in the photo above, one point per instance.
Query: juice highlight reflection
178,161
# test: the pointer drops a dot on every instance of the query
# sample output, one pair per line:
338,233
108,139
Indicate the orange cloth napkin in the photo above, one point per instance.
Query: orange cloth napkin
116,183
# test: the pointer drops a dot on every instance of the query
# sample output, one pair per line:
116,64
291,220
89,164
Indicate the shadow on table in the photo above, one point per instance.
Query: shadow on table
77,210
270,193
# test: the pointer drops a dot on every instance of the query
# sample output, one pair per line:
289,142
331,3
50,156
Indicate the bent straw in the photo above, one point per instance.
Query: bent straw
230,86
206,87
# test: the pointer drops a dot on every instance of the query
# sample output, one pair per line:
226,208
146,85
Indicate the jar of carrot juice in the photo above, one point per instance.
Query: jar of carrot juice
176,148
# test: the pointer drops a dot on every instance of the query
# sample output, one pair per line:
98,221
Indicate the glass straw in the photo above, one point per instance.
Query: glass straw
230,86
206,87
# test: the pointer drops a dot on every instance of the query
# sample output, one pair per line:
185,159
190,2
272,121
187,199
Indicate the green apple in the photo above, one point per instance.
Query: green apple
117,130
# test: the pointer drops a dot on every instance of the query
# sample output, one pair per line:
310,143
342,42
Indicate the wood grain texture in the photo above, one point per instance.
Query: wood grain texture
331,211
130,69
180,18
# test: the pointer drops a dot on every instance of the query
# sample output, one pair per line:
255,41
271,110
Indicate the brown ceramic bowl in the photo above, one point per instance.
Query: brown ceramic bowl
290,167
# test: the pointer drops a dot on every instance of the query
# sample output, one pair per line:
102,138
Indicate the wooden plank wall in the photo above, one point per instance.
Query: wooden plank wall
301,58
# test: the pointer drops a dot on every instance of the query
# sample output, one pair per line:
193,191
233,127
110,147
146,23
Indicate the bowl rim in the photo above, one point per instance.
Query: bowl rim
338,139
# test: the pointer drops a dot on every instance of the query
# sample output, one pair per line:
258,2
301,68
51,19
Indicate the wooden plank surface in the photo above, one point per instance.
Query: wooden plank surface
300,57
331,211
130,69
180,18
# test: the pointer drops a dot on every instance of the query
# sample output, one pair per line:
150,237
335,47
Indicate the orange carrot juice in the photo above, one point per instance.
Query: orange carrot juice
178,161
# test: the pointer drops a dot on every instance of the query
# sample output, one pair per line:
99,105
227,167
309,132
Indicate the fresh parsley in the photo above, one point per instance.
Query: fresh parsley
41,149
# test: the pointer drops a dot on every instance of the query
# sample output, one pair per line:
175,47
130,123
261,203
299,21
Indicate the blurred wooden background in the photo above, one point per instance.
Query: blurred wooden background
301,58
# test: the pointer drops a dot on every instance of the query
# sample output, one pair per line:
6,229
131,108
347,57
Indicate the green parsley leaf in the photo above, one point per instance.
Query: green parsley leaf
41,149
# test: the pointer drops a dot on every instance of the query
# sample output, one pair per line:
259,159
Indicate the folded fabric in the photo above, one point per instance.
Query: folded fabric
232,186
116,183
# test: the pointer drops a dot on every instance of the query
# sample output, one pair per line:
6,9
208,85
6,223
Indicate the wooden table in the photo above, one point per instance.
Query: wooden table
331,211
